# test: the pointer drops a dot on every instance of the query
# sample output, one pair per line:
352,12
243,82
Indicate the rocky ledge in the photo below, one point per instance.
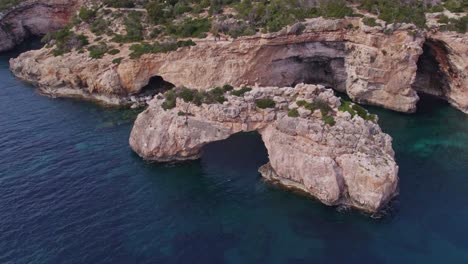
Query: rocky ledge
328,148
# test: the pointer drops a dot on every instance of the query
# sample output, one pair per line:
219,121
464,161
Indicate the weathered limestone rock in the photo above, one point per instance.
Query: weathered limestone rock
349,163
451,53
373,65
34,18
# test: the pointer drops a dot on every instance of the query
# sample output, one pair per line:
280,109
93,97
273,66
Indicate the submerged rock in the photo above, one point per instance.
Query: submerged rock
338,156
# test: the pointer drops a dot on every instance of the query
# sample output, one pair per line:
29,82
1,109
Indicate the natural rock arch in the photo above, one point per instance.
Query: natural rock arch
347,163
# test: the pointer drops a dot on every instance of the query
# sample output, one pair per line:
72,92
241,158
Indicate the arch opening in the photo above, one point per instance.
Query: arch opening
242,151
431,81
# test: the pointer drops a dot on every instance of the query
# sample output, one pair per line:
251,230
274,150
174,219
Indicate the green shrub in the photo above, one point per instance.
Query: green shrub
265,103
119,3
355,109
7,4
317,104
369,21
97,51
293,112
117,60
185,43
335,9
397,11
458,25
159,12
196,28
215,95
170,100
83,40
65,41
329,120
181,7
113,51
241,91
346,107
186,94
456,6
443,19
301,103
436,9
228,87
87,14
99,26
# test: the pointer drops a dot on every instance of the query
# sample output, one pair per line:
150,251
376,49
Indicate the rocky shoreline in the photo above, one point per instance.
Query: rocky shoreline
330,149
315,142
371,66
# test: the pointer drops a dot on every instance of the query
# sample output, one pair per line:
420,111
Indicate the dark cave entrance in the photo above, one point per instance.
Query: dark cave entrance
431,81
326,71
156,84
314,62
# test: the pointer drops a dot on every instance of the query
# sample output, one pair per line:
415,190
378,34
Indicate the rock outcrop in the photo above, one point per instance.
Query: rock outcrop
450,51
348,161
373,65
34,18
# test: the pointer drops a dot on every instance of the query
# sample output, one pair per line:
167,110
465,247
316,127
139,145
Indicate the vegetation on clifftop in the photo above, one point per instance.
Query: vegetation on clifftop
165,23
7,4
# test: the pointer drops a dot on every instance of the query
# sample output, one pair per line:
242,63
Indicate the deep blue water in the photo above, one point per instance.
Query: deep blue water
72,191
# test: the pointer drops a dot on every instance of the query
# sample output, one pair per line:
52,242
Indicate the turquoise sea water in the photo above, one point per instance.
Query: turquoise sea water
72,191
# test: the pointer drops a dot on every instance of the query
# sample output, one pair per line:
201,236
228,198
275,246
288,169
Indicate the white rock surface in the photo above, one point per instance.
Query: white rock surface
350,163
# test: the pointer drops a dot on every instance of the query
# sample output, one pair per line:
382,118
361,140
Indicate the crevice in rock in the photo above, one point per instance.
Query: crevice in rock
431,76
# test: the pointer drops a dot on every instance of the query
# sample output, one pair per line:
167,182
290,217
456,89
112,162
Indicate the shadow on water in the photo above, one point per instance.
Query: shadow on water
429,104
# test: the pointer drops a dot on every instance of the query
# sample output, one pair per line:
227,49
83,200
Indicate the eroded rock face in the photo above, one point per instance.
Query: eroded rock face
371,66
34,18
350,163
450,50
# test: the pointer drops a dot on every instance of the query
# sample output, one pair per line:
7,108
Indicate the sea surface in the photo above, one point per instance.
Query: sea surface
72,191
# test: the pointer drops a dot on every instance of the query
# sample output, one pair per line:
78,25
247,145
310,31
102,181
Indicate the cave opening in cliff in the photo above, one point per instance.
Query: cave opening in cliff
324,70
431,81
320,70
156,84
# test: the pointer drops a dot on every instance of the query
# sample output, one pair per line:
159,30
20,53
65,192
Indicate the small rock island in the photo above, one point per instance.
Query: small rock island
325,147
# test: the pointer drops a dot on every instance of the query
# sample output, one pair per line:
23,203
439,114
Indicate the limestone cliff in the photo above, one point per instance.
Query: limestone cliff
332,154
373,65
34,18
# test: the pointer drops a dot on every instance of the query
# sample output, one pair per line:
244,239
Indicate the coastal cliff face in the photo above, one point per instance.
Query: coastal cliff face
34,18
371,66
334,155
